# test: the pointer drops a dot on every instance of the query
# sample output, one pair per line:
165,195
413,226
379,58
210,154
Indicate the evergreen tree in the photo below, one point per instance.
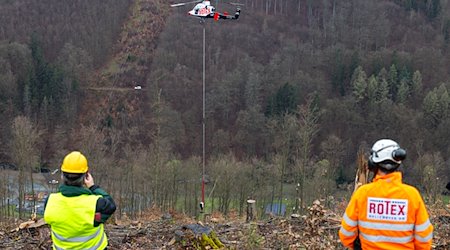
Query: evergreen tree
392,81
416,86
411,5
285,101
404,73
8,88
430,109
383,86
359,84
46,82
433,8
436,106
372,90
403,91
444,101
446,31
338,74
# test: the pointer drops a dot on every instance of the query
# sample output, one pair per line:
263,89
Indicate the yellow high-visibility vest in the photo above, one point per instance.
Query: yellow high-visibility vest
72,222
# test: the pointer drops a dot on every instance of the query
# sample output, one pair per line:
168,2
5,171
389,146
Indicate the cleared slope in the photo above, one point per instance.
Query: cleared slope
111,93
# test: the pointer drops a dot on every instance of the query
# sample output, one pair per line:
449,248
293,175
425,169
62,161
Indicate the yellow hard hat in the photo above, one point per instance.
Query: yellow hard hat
75,163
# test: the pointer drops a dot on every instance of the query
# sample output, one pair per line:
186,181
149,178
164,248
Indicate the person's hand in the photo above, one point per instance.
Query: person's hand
88,180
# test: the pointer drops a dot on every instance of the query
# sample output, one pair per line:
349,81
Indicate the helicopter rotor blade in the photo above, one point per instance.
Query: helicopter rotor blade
182,4
237,4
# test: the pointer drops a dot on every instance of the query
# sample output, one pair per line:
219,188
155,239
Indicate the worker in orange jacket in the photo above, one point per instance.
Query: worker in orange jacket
386,214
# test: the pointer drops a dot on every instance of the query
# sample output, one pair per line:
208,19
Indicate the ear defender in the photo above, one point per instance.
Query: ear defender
399,154
371,165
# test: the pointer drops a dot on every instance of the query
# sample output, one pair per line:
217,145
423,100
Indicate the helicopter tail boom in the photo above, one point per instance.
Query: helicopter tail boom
225,15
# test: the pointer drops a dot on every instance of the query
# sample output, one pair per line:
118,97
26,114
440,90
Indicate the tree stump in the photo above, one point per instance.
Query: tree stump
251,210
198,237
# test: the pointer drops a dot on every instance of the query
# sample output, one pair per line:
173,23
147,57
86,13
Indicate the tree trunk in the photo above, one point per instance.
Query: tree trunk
21,183
281,188
32,188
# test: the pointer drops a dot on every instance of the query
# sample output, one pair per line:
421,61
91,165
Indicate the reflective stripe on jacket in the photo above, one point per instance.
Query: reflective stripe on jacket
387,214
72,222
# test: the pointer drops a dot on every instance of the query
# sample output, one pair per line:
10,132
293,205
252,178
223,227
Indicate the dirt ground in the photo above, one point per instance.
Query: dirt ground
316,230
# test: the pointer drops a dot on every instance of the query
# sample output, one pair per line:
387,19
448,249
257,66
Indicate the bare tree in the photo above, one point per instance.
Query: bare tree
223,171
431,167
284,144
308,121
333,152
24,153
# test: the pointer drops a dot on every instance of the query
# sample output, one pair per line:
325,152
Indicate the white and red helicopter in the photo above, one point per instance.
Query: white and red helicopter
204,9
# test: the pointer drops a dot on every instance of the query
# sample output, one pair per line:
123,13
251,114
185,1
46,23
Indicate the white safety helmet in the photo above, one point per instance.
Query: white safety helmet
386,149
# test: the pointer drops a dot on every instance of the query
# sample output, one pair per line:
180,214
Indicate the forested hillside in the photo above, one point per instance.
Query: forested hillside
92,26
294,89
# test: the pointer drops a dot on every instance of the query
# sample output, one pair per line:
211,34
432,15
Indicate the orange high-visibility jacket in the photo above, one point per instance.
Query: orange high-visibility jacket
387,214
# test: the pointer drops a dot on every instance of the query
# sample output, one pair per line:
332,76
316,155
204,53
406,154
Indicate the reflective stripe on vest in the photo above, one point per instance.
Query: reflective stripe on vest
349,221
423,226
77,239
346,232
391,239
91,248
386,226
424,239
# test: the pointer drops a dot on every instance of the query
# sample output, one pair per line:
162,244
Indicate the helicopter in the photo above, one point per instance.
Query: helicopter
203,9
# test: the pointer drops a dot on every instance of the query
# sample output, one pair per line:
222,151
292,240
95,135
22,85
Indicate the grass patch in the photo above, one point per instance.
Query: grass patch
445,199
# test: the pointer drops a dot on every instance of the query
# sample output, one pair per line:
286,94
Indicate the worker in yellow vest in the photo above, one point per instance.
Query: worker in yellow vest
77,212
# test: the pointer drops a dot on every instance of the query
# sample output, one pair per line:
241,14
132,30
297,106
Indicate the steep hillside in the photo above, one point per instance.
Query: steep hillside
112,94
